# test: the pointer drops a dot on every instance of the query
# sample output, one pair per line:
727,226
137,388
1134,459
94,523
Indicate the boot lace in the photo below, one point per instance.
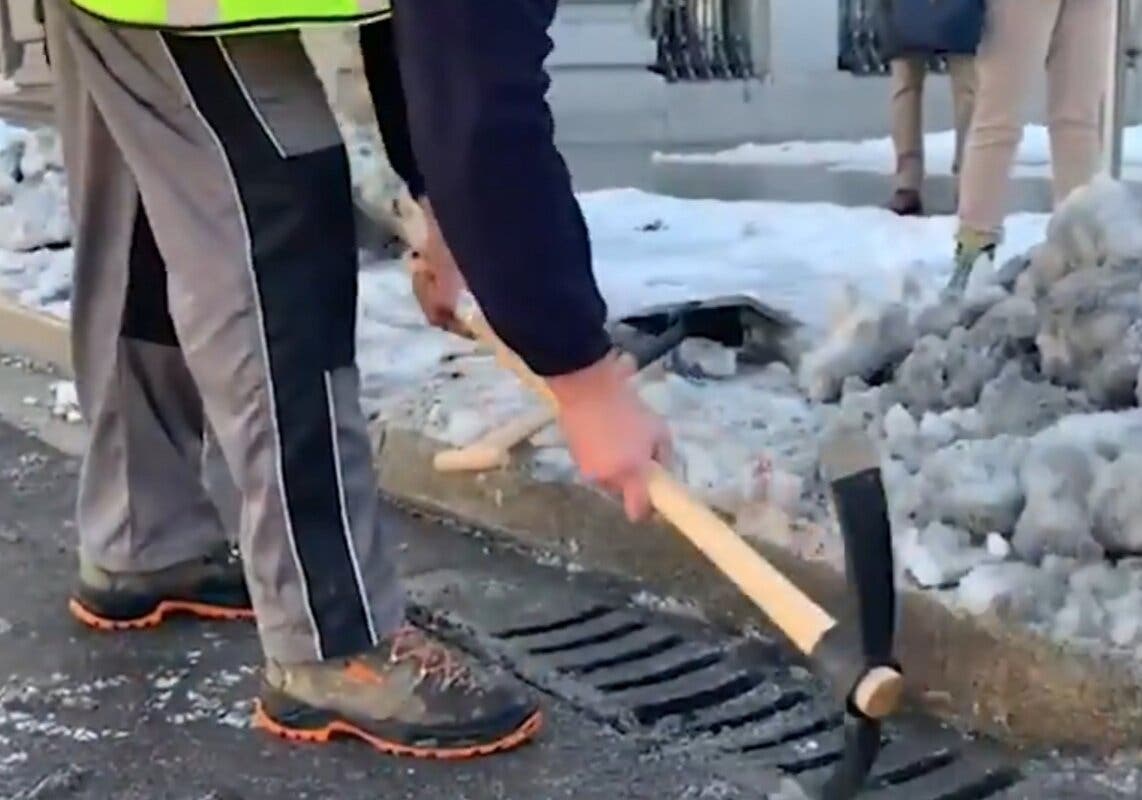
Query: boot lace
435,660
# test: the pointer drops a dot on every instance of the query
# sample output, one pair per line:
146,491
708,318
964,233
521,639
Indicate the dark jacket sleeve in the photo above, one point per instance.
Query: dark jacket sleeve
483,135
382,73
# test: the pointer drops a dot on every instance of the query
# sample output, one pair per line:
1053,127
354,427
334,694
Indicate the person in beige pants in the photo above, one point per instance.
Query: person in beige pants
908,75
1071,38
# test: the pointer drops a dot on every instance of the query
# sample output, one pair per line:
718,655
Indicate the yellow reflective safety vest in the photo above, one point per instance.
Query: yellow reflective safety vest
218,17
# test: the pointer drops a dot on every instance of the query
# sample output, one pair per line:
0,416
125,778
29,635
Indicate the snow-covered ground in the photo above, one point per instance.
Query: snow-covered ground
1009,423
877,155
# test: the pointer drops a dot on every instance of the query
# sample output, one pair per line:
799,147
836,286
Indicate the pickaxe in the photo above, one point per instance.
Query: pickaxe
856,658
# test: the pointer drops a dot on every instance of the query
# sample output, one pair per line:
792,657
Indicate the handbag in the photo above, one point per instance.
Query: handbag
929,27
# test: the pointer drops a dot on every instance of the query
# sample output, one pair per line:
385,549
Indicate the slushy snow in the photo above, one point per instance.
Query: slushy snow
1009,422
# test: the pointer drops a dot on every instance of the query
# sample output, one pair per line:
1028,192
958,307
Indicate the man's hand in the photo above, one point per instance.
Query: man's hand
436,279
612,435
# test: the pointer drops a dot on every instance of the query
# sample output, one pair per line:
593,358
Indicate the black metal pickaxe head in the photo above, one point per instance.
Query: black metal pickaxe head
860,647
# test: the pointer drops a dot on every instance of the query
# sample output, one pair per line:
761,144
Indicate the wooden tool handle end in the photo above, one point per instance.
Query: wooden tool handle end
474,458
879,692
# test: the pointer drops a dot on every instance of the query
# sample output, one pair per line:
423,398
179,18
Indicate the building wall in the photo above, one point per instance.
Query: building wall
801,96
602,91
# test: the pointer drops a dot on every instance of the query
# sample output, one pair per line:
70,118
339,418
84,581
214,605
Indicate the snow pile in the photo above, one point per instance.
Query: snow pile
33,194
1009,420
34,225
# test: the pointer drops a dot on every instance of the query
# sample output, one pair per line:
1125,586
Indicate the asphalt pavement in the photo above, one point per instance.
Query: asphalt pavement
164,715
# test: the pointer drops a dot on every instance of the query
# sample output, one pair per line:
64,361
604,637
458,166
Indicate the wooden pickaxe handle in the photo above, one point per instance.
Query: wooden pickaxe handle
493,449
802,620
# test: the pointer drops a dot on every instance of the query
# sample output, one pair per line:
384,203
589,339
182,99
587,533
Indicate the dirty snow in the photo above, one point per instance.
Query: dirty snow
1033,158
667,605
1010,425
40,707
1008,422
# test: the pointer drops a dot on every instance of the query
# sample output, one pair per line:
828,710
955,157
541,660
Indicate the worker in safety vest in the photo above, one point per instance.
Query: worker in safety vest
216,279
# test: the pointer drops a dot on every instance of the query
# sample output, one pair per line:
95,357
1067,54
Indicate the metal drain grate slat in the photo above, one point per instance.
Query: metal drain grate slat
599,630
553,626
766,702
684,689
902,760
655,670
962,779
611,634
907,757
639,646
815,730
763,727
686,694
896,765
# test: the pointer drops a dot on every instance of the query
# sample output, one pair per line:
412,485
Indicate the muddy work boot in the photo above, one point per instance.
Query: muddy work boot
412,696
906,203
211,587
971,247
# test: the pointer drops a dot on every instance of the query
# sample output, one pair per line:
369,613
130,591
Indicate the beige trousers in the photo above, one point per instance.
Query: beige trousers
1071,39
908,76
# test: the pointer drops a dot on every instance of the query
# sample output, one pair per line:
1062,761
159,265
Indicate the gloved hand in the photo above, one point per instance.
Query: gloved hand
436,279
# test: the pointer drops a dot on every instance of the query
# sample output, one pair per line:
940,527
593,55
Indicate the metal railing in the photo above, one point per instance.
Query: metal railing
1123,57
858,46
701,40
11,51
20,28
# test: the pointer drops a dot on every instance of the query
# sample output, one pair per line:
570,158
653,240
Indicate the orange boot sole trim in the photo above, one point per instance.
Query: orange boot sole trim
339,729
152,620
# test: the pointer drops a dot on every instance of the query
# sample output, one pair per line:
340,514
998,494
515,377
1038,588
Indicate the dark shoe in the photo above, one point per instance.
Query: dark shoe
211,587
412,696
906,203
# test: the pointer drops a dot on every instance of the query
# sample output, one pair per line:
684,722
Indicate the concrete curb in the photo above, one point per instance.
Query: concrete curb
34,335
976,672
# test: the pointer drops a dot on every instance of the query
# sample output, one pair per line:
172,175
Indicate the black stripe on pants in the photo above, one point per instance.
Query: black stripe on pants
146,310
299,218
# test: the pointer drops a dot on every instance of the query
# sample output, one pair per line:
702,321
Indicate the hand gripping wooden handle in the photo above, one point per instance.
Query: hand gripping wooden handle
790,609
493,449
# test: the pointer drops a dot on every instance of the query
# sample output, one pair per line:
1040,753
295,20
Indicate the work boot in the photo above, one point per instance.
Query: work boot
970,248
906,203
210,587
411,696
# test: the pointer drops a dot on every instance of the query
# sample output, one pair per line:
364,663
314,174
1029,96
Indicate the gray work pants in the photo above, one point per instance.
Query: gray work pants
216,279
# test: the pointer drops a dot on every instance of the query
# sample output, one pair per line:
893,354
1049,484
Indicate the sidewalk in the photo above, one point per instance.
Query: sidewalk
622,165
625,164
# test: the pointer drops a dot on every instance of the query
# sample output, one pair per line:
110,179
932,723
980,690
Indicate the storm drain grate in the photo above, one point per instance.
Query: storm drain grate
690,691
